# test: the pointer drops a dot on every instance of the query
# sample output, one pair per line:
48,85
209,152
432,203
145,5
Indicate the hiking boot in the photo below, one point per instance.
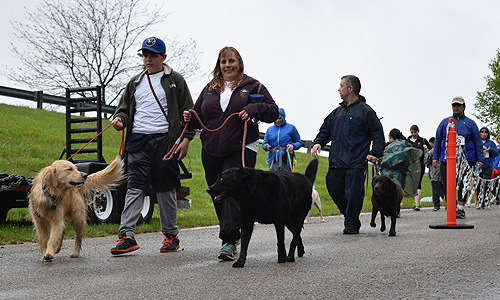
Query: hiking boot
125,244
436,208
170,244
227,252
416,207
351,230
460,214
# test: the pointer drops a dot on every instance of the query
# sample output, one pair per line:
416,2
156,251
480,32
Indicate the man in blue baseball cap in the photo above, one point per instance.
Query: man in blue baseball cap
150,109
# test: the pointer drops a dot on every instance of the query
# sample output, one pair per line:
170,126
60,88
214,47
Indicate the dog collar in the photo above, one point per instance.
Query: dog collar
37,214
46,191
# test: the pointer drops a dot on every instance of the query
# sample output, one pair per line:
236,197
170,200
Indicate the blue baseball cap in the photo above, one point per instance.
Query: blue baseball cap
153,44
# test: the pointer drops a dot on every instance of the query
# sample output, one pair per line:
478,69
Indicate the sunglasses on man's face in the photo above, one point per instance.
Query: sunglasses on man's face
483,131
456,104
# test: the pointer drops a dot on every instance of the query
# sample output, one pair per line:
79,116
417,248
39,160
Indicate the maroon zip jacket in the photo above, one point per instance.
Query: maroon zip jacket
228,140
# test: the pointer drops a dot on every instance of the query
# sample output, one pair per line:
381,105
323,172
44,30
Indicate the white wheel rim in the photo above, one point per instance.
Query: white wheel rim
145,206
102,204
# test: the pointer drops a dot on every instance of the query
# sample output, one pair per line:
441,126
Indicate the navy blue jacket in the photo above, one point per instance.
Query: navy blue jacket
351,130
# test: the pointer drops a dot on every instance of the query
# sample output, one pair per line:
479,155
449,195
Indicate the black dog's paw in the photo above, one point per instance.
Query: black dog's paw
290,259
239,264
300,252
372,224
282,259
382,228
392,233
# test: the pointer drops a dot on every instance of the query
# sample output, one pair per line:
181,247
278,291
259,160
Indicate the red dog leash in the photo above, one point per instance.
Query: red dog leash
121,146
170,154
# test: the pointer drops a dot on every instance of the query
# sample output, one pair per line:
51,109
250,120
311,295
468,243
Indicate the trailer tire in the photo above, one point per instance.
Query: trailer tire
148,208
103,207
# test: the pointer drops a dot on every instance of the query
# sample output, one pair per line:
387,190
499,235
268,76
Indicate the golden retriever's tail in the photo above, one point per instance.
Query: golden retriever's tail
106,179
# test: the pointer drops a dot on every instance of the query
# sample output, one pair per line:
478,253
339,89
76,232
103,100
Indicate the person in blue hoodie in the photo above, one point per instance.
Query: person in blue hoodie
490,152
281,140
467,138
496,170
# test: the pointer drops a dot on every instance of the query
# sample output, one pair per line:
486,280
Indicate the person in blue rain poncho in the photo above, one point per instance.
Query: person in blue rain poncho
281,140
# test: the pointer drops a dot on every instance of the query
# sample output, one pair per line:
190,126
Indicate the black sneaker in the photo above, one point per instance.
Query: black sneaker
460,214
170,244
436,208
351,230
227,252
125,244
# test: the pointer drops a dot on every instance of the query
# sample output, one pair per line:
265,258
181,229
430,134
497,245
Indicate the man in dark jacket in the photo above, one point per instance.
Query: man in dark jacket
351,128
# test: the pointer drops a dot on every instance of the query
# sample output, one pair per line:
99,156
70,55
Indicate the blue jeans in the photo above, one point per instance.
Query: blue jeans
345,186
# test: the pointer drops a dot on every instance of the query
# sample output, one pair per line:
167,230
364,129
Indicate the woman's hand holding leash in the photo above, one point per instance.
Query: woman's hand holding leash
182,150
187,116
244,115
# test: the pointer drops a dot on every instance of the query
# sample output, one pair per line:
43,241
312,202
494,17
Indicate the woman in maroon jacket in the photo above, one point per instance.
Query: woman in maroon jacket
418,142
230,91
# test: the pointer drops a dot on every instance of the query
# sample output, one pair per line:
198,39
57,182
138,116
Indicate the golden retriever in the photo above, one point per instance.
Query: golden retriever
57,195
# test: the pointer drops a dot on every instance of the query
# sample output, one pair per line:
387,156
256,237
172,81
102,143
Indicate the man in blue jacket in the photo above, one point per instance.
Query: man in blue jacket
281,140
351,128
467,137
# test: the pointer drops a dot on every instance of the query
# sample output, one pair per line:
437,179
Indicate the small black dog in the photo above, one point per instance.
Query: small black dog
270,197
386,198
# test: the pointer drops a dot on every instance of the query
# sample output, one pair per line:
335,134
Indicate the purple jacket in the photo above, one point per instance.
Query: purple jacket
228,140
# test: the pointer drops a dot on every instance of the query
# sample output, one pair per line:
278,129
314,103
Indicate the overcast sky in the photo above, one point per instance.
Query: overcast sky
412,57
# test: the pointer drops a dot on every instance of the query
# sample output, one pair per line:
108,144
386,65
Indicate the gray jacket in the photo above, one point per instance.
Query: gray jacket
435,173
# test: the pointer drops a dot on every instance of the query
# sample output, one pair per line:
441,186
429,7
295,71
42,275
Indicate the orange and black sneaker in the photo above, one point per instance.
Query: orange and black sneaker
170,244
125,244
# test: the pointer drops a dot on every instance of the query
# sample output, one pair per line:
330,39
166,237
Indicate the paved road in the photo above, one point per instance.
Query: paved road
419,263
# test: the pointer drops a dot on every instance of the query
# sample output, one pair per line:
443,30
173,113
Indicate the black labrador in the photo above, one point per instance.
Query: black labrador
281,198
386,198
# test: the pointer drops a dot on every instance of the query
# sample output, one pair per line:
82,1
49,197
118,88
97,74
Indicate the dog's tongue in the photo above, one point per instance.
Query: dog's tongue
219,197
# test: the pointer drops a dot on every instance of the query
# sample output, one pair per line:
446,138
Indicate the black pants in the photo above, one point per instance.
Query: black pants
228,210
345,186
437,192
146,166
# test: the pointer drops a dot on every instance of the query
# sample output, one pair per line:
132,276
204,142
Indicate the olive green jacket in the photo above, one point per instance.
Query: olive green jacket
178,100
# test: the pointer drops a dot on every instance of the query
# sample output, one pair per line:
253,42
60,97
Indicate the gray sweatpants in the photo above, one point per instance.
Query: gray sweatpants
134,201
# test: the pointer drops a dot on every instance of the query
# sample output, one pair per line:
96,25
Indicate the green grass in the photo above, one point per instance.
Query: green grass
32,139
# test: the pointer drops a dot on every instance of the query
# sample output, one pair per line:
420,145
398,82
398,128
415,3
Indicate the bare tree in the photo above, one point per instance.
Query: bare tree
68,43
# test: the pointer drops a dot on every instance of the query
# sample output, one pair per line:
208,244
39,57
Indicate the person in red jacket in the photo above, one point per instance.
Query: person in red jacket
230,91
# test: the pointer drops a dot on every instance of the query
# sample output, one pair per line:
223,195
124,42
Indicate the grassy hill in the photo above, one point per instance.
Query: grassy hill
32,139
